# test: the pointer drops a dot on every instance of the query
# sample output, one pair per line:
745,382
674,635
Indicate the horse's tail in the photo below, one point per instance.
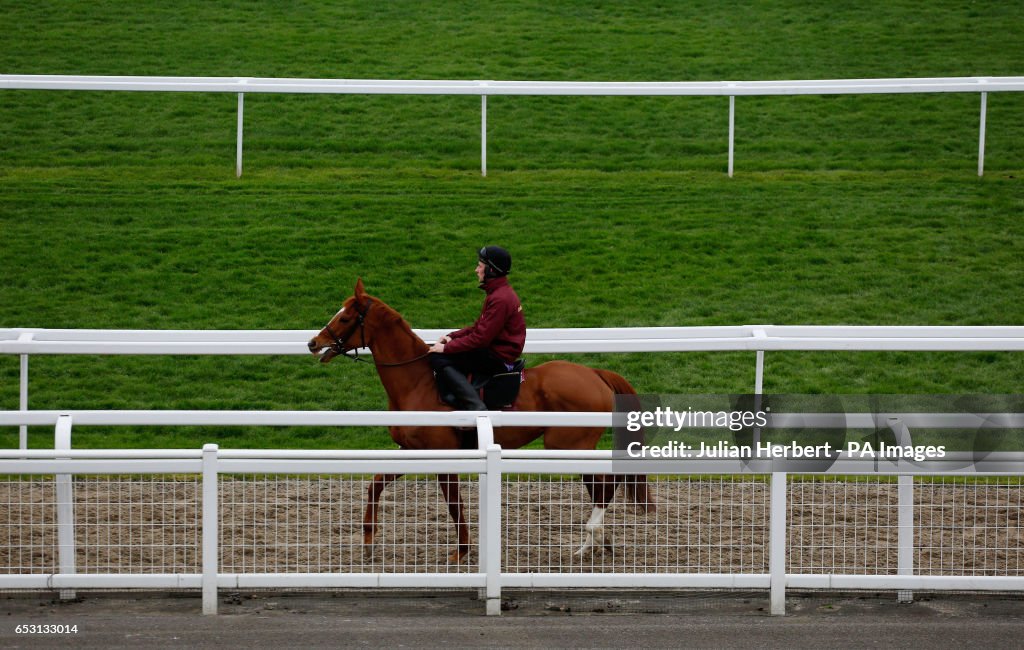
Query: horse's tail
636,484
616,382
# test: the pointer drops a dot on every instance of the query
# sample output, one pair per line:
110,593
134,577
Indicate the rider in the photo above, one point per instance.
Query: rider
492,344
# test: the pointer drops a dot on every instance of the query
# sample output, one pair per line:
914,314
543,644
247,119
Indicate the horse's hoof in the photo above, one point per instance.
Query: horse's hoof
455,557
368,546
606,547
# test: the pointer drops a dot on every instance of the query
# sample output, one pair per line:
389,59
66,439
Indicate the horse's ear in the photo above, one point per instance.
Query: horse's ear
360,292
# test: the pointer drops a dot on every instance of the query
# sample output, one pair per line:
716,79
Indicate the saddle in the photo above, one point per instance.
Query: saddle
499,391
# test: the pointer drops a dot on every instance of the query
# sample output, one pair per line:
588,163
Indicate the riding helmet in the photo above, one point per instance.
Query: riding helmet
497,260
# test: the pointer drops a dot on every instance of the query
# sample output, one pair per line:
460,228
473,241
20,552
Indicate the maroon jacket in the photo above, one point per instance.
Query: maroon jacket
501,327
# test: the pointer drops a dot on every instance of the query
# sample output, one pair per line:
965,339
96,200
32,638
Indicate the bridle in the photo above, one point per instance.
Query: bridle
339,341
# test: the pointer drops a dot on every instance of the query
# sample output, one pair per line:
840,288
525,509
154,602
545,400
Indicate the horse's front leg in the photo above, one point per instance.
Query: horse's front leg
601,488
449,484
380,481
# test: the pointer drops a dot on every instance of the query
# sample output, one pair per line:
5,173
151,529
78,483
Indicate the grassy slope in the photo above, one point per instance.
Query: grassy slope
121,210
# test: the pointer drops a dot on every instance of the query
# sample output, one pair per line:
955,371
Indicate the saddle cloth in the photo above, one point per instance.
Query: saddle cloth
500,391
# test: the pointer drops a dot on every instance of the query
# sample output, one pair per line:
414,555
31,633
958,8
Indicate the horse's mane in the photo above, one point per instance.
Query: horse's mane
393,318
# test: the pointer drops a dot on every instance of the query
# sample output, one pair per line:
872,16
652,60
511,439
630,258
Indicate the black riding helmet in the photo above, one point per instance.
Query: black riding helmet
497,261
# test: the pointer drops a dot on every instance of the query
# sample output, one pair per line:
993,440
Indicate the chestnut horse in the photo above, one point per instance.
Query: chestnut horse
401,360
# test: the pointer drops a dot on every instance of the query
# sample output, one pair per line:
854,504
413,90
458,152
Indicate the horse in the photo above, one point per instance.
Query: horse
400,357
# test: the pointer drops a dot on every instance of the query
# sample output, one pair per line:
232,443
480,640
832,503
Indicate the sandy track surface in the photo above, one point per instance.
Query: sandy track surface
314,524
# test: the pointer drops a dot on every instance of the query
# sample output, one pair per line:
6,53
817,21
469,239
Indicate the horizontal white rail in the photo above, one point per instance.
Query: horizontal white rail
633,580
510,580
12,465
497,418
967,583
349,580
458,87
100,581
306,418
844,466
539,340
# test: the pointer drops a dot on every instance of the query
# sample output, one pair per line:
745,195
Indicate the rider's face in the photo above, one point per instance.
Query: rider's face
480,271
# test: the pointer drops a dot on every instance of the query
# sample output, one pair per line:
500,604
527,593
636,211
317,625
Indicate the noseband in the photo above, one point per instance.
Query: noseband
340,341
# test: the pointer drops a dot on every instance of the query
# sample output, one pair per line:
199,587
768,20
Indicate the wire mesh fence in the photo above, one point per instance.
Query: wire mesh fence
122,524
311,524
969,526
963,525
138,524
699,524
842,526
28,525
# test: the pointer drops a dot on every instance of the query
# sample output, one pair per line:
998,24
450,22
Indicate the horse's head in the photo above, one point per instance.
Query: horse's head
347,330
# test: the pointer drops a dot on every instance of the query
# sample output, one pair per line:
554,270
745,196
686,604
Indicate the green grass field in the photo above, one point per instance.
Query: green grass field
121,210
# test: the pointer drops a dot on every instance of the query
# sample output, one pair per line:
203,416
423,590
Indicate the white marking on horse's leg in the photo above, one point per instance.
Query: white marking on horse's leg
595,530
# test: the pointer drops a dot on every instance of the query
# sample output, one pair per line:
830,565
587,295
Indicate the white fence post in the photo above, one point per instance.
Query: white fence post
483,135
759,373
210,529
23,402
492,498
490,515
65,508
905,513
238,139
981,134
758,381
732,130
905,536
484,439
777,544
758,391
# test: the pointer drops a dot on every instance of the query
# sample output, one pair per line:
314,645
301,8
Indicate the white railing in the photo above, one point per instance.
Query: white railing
756,338
568,340
730,89
488,461
779,542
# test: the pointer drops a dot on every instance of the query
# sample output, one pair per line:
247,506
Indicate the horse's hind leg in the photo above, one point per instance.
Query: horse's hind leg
638,493
380,481
449,484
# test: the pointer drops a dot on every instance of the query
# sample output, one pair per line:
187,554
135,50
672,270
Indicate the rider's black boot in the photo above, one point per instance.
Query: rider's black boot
456,382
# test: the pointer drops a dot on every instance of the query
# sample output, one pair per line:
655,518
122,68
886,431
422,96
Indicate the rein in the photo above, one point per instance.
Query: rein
400,363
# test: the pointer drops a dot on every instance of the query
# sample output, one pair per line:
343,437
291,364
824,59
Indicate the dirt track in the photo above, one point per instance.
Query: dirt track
314,525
